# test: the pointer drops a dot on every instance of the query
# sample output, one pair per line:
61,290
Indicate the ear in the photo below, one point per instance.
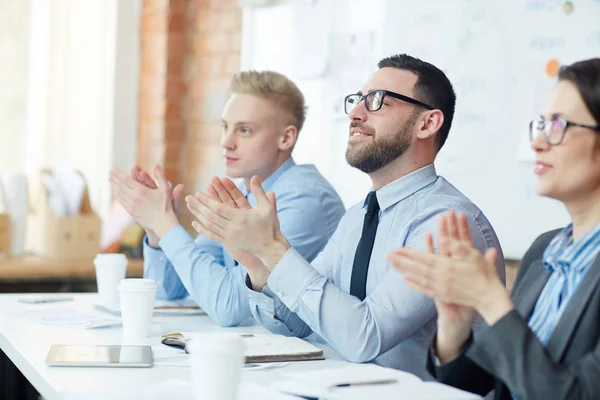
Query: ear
430,124
288,138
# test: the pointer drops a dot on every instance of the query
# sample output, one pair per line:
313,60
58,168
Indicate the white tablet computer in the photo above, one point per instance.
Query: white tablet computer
99,356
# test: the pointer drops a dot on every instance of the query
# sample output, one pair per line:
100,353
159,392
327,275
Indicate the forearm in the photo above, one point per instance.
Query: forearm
158,268
450,340
217,289
494,302
359,330
461,372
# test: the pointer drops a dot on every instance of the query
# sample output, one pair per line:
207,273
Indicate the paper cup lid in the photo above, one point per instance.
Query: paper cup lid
221,342
135,284
110,258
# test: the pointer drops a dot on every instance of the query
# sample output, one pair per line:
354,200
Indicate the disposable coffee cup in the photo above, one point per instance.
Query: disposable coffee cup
137,305
217,360
110,270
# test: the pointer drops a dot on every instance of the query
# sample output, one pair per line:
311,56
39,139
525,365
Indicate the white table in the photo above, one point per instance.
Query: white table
27,345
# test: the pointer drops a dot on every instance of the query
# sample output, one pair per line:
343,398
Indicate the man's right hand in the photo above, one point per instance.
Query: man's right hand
226,192
145,179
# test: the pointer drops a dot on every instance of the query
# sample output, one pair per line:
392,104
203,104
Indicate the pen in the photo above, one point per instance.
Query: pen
379,382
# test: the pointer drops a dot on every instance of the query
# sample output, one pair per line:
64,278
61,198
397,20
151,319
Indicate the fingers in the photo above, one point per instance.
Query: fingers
452,225
259,194
464,232
122,179
443,235
135,171
147,180
272,199
210,190
176,195
419,288
124,199
163,184
202,230
207,218
416,271
491,255
142,177
222,193
238,197
429,246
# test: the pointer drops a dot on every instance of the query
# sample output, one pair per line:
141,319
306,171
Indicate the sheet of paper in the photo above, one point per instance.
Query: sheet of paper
322,382
65,317
182,390
422,391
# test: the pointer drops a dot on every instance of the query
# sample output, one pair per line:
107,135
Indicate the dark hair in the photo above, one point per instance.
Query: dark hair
433,87
586,76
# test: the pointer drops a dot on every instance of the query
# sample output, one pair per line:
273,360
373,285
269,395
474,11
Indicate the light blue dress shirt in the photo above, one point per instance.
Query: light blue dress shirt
394,324
309,210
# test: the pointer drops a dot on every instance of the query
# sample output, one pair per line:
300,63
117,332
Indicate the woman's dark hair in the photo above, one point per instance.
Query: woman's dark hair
585,75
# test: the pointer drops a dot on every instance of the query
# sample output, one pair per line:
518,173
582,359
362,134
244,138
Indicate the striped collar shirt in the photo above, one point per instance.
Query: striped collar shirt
568,262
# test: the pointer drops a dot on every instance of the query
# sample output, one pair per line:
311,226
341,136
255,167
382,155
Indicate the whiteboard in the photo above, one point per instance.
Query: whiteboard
495,53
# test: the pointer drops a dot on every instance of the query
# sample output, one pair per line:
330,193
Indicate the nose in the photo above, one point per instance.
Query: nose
228,140
359,112
538,142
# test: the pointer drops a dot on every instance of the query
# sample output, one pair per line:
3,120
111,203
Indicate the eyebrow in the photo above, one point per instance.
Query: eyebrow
237,123
555,115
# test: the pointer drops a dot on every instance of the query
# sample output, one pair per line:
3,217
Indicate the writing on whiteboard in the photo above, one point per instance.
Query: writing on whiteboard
539,42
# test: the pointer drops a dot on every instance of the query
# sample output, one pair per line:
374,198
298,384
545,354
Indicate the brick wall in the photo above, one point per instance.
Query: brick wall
189,50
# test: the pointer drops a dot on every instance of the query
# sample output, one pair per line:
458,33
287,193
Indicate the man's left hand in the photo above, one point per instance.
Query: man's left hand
254,231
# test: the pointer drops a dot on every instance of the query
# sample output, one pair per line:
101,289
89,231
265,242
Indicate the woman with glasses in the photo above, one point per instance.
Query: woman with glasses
543,339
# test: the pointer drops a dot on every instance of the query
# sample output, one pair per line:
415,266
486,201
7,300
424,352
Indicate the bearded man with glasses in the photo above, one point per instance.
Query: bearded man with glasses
349,297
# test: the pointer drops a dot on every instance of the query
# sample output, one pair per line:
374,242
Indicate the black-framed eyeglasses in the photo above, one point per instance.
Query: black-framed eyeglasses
374,100
554,129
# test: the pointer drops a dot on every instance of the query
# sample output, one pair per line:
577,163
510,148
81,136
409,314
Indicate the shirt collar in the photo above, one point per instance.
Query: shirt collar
562,252
405,186
267,183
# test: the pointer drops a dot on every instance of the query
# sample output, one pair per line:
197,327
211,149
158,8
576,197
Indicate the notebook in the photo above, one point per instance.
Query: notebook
260,348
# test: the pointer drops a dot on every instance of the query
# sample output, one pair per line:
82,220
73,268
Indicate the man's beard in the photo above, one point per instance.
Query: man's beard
380,152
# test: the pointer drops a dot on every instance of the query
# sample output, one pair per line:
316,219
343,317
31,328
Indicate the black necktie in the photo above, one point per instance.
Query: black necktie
360,268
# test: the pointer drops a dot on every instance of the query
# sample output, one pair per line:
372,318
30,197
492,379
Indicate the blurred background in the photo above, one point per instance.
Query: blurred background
89,85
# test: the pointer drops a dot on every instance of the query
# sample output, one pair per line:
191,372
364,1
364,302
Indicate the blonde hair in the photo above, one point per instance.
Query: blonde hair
272,85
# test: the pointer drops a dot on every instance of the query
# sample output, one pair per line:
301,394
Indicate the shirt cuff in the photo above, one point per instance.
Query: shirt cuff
290,277
261,299
150,252
174,240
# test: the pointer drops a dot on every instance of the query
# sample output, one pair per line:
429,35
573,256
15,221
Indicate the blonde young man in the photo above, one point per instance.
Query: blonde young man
260,126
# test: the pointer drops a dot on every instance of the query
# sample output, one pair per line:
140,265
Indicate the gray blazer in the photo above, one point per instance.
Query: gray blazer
509,355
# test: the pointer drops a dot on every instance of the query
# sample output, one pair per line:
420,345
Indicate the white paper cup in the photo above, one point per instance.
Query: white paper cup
137,305
217,360
110,270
